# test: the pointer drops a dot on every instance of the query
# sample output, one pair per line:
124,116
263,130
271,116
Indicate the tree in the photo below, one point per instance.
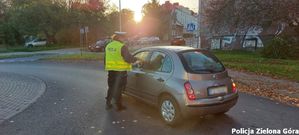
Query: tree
150,22
128,22
90,14
8,33
151,9
237,16
36,17
156,19
3,7
47,18
3,11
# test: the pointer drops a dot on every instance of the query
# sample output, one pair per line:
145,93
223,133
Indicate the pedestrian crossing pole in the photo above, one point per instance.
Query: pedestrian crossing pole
199,27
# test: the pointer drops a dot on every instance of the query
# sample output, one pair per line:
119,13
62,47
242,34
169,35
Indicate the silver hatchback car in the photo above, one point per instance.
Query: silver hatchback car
182,82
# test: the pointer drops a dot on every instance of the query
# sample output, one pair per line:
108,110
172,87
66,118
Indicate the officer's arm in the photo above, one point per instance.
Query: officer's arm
128,57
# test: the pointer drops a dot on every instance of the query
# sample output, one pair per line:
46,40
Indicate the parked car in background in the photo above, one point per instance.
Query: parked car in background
148,40
154,39
178,41
182,81
36,42
99,46
143,40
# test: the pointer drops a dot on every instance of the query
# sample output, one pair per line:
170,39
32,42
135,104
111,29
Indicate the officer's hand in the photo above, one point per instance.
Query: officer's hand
139,63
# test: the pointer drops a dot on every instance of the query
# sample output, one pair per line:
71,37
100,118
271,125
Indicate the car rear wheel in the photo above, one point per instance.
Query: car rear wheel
30,46
169,111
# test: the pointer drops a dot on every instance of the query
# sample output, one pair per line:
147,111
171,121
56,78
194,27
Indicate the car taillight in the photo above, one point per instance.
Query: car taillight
234,88
189,91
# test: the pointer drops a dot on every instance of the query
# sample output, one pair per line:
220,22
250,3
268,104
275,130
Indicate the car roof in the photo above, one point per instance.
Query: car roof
170,48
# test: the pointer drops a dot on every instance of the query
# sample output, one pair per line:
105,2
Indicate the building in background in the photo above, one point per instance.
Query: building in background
249,40
183,23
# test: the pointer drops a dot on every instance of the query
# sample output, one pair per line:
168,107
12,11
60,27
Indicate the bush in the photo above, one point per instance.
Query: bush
281,48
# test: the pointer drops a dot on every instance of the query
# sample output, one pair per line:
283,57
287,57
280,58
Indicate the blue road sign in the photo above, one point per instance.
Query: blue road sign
190,27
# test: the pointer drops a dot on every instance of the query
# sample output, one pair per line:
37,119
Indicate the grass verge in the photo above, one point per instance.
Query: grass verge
33,49
253,62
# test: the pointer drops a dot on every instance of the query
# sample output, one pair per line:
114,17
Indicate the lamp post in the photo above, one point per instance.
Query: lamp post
199,19
119,15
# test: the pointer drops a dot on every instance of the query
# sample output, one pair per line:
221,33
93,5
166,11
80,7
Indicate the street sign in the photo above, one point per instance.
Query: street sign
86,29
81,30
190,27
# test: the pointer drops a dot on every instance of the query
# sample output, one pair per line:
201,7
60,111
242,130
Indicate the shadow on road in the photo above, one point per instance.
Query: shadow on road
141,118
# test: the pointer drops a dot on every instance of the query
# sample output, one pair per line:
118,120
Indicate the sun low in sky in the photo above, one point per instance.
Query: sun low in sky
138,16
136,5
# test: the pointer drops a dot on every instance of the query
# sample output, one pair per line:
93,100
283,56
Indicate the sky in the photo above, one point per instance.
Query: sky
136,5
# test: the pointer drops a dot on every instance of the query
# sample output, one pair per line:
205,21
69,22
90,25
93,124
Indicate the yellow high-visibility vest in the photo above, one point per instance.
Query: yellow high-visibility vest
113,59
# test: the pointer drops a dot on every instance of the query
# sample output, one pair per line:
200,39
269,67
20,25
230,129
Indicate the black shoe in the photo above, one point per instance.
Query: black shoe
108,106
120,108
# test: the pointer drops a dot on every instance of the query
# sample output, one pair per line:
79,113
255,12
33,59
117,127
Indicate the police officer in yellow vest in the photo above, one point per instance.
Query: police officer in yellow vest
118,61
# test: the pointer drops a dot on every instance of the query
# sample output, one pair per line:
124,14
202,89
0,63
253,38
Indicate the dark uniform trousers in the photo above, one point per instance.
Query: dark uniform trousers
117,81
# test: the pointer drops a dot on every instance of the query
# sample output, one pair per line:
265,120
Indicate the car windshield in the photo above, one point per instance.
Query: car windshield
201,62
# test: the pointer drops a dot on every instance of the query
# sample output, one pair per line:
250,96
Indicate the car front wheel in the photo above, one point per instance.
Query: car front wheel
169,111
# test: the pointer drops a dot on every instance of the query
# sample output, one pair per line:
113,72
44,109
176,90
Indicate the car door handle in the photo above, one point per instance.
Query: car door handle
160,80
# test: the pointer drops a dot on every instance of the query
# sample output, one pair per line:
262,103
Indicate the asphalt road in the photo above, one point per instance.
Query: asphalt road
73,104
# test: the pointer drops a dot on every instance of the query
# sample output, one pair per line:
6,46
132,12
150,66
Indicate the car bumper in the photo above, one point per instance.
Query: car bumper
209,106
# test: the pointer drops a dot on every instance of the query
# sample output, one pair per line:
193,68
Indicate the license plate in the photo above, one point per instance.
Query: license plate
217,90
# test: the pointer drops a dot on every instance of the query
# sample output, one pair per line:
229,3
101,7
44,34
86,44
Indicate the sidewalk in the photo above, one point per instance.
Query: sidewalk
276,89
17,92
